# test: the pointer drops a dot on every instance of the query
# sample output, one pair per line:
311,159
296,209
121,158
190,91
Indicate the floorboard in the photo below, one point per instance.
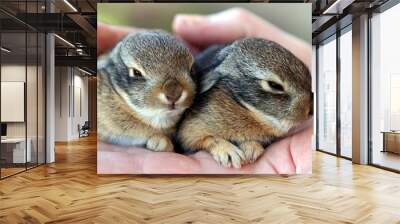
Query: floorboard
70,191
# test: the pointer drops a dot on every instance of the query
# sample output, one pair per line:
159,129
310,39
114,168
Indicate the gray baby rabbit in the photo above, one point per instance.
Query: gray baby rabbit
251,92
144,86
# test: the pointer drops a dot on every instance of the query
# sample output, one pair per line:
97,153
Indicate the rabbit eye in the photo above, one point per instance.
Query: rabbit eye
275,86
133,72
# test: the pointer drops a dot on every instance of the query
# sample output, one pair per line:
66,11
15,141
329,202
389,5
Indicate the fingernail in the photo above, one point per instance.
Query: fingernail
219,16
189,20
214,18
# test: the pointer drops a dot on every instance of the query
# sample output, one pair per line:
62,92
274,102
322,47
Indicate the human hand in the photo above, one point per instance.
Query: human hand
288,156
109,35
200,31
291,155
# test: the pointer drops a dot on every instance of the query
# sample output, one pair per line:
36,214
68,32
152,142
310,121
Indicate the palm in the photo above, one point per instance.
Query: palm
287,156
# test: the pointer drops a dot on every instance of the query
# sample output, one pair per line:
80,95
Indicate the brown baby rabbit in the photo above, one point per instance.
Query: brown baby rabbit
251,92
144,86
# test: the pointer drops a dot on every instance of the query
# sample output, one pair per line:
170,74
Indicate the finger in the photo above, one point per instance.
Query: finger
233,24
113,159
279,157
208,165
193,49
292,155
109,35
300,150
202,31
169,163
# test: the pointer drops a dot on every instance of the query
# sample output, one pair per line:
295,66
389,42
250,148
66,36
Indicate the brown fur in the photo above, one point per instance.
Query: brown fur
237,111
228,123
117,121
142,108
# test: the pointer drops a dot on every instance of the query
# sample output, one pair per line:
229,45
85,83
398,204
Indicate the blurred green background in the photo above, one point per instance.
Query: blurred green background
294,18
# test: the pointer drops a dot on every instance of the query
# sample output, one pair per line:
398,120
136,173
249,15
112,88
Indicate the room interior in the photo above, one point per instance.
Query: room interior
28,62
22,105
48,93
333,54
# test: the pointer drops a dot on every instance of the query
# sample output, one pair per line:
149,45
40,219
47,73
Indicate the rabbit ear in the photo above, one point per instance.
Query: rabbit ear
206,63
209,80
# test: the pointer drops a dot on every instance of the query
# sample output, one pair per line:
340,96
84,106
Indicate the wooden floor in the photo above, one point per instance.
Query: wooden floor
10,171
70,191
387,159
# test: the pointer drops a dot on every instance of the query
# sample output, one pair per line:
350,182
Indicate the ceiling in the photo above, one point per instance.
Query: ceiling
19,54
74,22
332,15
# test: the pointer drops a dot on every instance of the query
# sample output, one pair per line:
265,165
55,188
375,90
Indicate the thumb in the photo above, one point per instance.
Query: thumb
222,27
232,24
217,28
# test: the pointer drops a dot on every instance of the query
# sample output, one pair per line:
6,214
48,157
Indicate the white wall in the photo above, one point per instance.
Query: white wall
70,84
13,73
81,84
16,73
33,126
62,82
13,101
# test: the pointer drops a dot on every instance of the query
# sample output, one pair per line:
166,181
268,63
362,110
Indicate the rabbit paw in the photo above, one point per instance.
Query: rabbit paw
160,143
252,150
227,154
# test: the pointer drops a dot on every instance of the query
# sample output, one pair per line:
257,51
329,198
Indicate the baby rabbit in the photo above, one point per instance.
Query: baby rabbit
144,86
251,92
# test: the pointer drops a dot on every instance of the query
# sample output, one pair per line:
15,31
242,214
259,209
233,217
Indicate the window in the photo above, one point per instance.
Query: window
327,96
385,89
23,89
346,93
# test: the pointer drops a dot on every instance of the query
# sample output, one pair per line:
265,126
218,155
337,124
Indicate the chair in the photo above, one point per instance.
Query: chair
84,130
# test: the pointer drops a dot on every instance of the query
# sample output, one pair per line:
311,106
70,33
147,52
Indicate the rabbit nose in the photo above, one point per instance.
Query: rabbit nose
174,97
172,91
